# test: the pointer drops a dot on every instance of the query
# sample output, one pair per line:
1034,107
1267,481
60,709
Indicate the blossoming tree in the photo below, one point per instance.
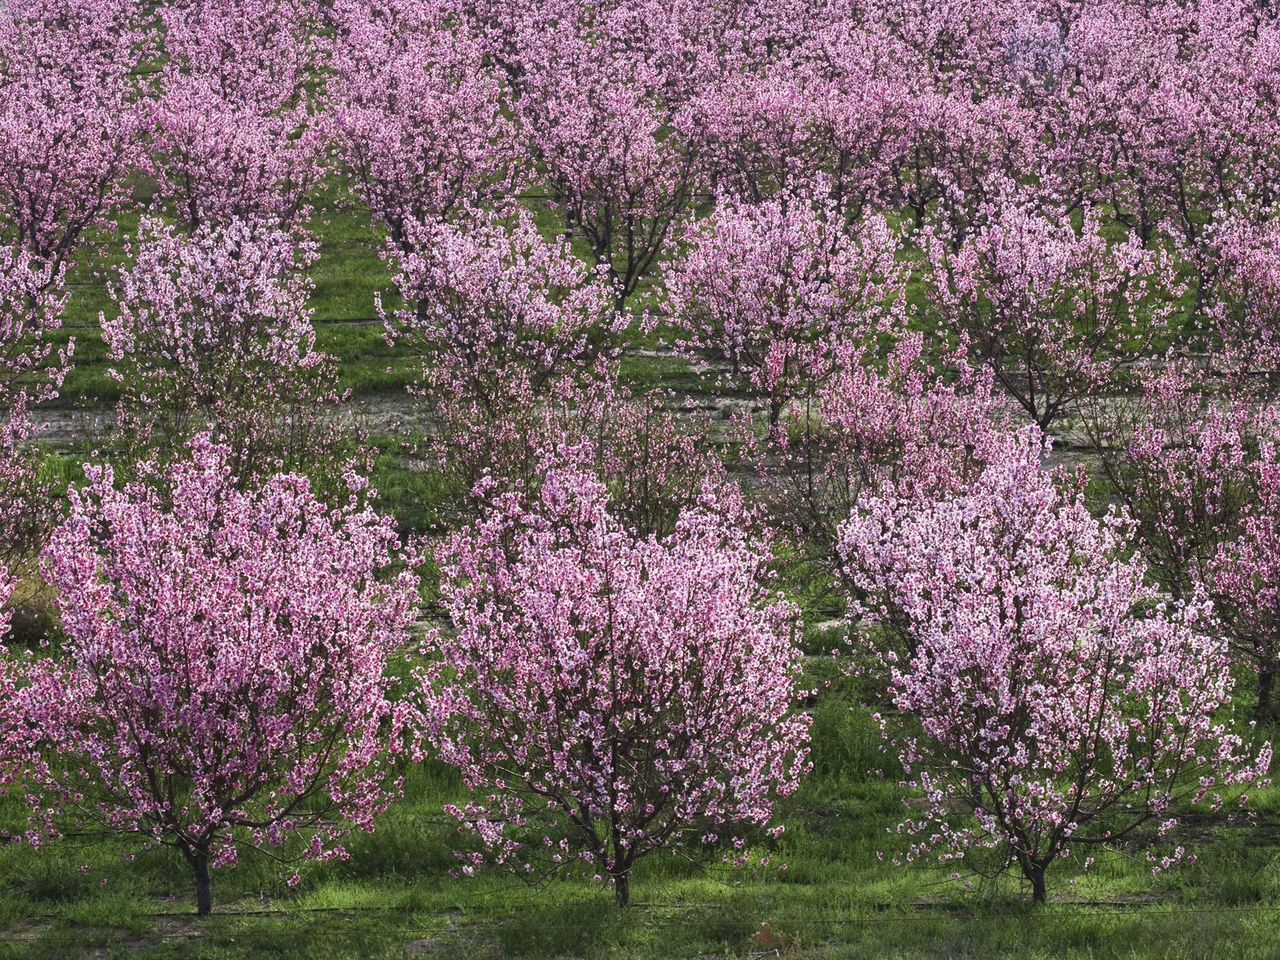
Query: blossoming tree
597,106
213,332
32,367
773,288
68,126
1242,573
507,322
417,114
231,131
223,684
896,426
1244,309
612,694
1176,453
1052,695
1054,312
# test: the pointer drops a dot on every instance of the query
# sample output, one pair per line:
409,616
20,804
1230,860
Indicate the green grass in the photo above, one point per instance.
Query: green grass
395,897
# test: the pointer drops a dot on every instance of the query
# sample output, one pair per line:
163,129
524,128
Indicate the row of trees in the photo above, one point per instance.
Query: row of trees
901,233
224,681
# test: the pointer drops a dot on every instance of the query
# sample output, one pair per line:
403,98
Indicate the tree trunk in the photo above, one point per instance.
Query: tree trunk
1035,873
204,884
622,888
1266,692
775,412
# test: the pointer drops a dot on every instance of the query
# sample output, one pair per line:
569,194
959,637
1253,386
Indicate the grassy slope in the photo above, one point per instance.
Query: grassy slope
394,896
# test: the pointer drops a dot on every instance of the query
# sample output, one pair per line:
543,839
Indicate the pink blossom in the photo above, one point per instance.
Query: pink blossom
508,322
68,130
417,114
1245,306
7,585
902,428
1054,312
231,136
599,98
32,368
1177,457
31,304
213,331
1242,575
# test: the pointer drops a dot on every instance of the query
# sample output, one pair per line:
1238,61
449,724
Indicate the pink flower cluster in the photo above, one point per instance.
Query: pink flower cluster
31,302
1053,311
600,109
67,121
892,426
505,314
418,115
25,508
508,321
32,368
1244,574
1178,458
1246,308
229,130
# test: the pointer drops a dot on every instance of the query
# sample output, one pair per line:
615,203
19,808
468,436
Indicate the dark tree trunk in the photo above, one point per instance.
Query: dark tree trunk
1266,693
204,884
775,412
1035,873
622,888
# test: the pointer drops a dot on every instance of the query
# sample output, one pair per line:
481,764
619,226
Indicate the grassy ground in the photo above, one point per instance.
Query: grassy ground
395,896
